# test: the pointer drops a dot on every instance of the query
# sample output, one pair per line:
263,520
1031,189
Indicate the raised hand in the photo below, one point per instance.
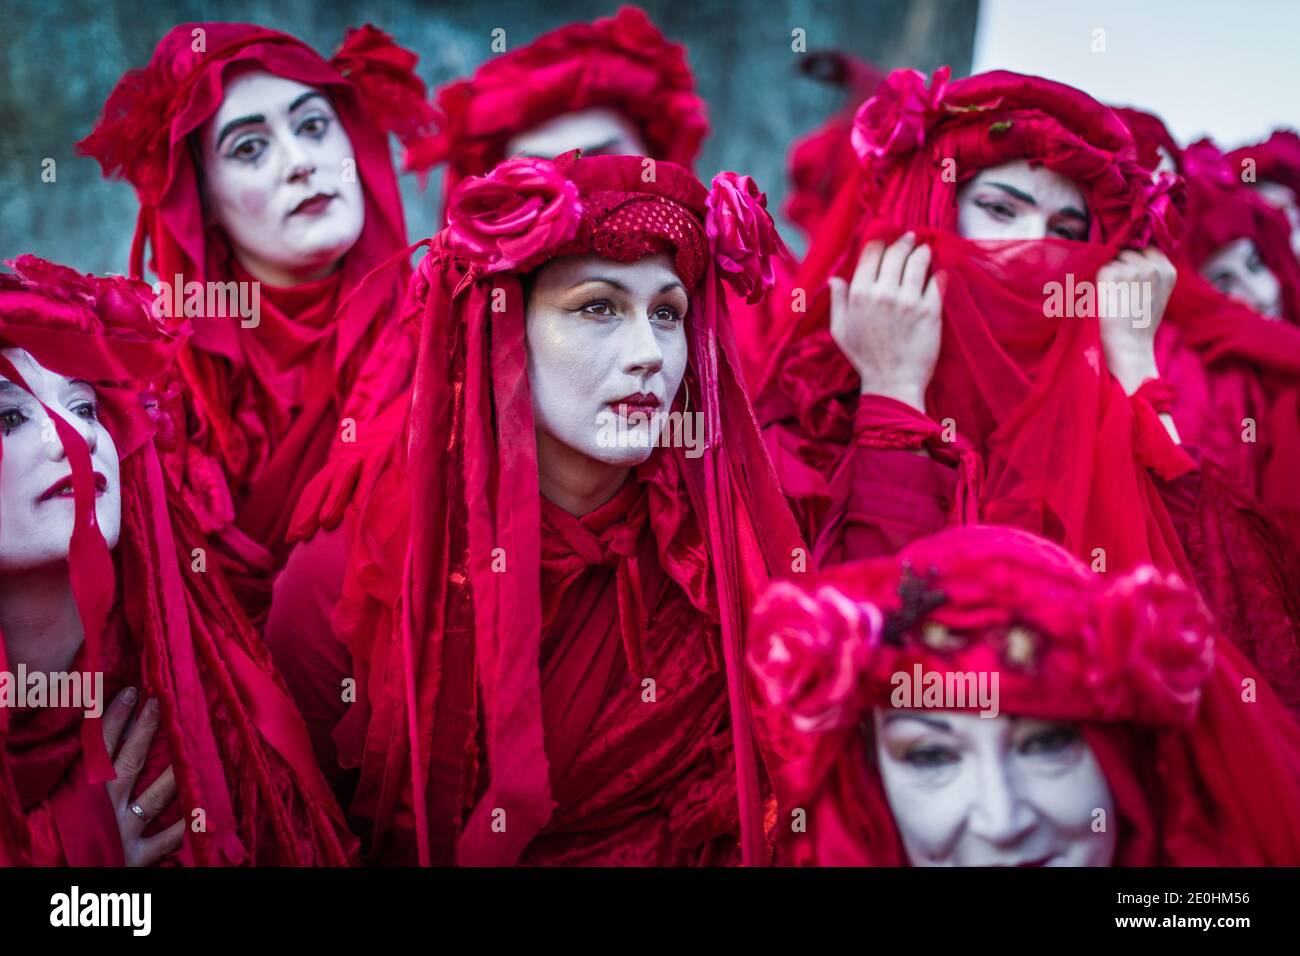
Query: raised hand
887,320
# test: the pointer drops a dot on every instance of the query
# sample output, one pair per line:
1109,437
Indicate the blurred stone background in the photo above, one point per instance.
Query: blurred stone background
59,60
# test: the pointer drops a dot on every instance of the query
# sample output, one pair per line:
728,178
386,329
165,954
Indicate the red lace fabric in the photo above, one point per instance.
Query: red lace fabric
228,727
258,410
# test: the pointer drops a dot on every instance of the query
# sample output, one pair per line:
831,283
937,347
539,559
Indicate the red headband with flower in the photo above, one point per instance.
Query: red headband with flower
621,62
980,599
526,211
150,111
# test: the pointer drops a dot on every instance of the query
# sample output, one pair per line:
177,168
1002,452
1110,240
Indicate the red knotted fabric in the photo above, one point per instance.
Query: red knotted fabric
228,727
1199,776
508,652
261,407
622,63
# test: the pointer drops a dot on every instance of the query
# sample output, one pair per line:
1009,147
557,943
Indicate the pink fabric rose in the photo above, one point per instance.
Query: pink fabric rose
742,236
809,652
514,217
893,121
1165,636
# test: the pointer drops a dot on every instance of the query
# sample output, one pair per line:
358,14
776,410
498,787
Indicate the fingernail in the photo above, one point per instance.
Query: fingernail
130,694
152,706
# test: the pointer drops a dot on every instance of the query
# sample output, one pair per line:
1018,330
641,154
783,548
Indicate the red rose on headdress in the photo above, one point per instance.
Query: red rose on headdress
1163,637
809,652
741,235
893,121
514,216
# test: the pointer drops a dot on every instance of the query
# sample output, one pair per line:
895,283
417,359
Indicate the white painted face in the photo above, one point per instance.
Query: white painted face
597,132
36,505
606,353
1237,271
280,177
1020,201
967,790
1284,198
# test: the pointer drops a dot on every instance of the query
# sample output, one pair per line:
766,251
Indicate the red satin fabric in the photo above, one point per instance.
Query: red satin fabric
259,410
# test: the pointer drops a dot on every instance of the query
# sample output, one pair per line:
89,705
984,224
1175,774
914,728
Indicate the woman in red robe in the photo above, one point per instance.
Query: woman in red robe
983,699
614,86
548,568
104,583
263,168
988,233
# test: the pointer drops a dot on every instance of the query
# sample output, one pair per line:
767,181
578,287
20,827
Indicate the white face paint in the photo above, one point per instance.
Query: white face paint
967,790
1020,201
606,340
1284,198
36,505
1237,271
597,132
280,177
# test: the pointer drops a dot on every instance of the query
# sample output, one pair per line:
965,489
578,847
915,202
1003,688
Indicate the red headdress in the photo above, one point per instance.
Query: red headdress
1276,160
148,618
262,404
433,629
1202,772
621,62
1064,451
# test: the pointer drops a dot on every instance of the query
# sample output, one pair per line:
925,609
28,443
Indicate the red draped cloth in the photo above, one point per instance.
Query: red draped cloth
259,410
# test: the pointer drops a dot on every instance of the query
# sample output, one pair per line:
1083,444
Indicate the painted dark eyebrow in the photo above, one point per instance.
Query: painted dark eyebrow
251,120
1071,213
610,282
675,284
1015,193
932,721
254,118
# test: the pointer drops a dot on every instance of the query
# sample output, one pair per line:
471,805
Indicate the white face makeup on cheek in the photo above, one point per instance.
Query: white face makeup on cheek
36,504
606,340
1019,201
967,790
1237,271
597,132
280,176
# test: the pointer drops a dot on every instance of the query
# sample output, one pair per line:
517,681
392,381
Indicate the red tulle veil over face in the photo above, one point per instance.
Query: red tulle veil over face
1064,452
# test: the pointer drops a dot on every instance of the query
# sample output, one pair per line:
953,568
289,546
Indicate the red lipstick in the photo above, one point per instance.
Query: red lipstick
63,487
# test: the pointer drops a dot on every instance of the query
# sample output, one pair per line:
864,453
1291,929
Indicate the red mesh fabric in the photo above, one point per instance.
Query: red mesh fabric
626,226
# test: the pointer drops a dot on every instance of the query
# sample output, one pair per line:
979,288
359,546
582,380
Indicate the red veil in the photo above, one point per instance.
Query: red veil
445,647
1065,453
262,405
236,743
1200,776
621,62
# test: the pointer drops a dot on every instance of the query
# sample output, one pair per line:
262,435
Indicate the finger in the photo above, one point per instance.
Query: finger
115,717
135,749
839,301
891,266
914,272
933,294
154,848
868,267
157,795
